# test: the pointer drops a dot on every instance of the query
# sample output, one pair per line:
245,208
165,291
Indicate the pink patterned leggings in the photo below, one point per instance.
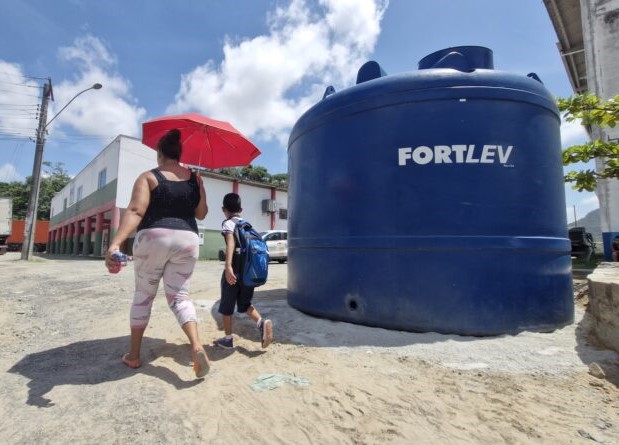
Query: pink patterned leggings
168,254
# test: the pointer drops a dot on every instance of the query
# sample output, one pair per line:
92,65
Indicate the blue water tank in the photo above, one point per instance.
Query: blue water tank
431,201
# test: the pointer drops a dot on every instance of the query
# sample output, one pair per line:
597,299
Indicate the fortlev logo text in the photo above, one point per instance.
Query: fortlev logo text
454,154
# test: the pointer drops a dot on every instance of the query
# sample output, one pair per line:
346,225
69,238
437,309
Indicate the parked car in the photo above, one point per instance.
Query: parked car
277,243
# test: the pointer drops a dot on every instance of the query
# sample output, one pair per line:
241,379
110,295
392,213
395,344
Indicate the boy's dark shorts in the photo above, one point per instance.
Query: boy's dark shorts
232,295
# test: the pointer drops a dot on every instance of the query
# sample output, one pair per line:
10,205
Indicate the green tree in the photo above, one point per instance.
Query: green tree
280,180
54,178
258,174
591,111
19,193
235,172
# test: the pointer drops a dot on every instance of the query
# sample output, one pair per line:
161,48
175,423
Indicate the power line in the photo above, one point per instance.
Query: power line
17,93
13,129
19,105
18,110
23,77
9,113
15,138
19,84
16,135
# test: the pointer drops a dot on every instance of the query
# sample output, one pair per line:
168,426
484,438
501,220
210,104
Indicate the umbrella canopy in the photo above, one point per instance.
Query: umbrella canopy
206,142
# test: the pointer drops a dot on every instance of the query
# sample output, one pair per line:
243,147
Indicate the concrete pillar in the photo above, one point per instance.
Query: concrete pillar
273,213
77,235
58,240
98,234
115,222
601,42
69,245
63,243
50,242
86,237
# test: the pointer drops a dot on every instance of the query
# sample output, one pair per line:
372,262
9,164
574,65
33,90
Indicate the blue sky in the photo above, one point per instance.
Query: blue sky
256,63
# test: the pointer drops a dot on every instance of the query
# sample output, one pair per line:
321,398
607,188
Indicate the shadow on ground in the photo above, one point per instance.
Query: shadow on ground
91,362
292,326
590,350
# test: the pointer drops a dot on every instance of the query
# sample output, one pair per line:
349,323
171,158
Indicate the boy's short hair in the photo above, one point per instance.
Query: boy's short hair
232,202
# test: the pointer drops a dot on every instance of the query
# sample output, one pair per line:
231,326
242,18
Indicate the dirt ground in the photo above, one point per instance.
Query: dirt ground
65,325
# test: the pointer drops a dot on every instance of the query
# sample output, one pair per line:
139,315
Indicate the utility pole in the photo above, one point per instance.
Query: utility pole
33,201
575,216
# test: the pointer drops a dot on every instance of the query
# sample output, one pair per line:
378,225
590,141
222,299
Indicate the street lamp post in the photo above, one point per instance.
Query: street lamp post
33,201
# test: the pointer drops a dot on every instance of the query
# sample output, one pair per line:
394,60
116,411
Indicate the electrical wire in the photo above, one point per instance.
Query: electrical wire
19,94
19,84
25,77
20,105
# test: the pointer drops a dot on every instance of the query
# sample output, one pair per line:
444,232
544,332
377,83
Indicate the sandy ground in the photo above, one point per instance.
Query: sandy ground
64,328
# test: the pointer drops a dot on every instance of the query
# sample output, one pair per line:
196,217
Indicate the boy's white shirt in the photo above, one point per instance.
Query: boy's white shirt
228,225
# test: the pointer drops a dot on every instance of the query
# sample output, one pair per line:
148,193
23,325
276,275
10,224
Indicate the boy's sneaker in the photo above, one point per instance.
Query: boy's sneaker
225,343
266,332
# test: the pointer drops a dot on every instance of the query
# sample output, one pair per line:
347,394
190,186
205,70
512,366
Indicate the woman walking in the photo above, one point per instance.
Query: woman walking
165,203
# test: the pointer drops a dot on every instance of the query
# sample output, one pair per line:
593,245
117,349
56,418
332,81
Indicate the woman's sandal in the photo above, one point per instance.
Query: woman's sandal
201,365
131,362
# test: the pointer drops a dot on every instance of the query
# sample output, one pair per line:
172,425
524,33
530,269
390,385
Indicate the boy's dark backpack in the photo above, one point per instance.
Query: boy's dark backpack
254,255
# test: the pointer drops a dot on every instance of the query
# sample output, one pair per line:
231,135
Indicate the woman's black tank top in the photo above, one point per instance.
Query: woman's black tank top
172,204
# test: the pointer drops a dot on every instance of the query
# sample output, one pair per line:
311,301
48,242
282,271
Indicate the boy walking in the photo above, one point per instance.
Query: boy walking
233,292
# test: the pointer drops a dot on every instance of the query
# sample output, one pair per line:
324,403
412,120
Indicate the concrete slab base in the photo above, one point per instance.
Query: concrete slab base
604,303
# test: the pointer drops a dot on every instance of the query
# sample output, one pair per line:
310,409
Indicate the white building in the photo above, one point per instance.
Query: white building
588,32
85,214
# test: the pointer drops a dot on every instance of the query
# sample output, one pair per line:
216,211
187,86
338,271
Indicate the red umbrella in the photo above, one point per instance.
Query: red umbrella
206,142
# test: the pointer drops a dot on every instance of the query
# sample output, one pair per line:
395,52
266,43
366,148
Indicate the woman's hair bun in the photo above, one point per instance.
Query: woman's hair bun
170,144
174,136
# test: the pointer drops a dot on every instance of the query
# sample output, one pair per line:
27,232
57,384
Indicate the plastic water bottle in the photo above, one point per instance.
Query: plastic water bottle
120,261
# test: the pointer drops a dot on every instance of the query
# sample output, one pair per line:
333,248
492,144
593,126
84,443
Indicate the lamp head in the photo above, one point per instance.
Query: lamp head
97,86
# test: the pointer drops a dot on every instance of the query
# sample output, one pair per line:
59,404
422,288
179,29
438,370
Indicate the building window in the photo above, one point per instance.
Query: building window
102,178
283,213
72,195
64,205
80,191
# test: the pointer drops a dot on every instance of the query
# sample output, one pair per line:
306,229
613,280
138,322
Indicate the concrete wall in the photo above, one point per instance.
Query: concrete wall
215,189
88,178
252,198
604,303
134,159
600,23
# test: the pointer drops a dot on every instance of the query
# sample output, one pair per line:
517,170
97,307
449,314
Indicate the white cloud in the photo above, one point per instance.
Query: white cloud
590,202
19,102
572,133
264,84
105,112
8,173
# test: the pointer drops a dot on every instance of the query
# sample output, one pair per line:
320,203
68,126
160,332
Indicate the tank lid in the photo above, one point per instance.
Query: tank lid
461,58
369,71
